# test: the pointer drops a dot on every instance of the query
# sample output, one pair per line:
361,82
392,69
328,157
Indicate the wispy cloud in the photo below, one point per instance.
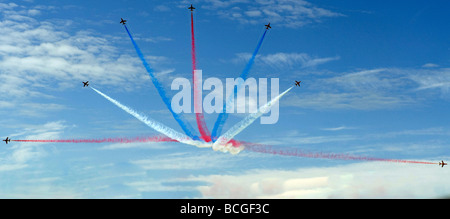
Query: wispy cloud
433,131
205,160
349,100
35,52
432,78
162,8
288,13
38,57
364,141
147,145
303,139
21,154
286,60
155,185
348,181
340,128
373,89
430,65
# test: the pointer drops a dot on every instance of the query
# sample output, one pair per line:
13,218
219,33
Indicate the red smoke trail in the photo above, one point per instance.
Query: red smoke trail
105,140
202,128
267,149
194,61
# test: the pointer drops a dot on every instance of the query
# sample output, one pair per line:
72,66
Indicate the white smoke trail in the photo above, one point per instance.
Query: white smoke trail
159,127
222,142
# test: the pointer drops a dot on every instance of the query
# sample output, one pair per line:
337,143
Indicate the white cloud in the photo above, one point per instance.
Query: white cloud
38,57
146,145
431,139
430,79
286,60
430,65
33,52
162,8
337,128
374,89
37,109
39,190
8,6
21,154
374,79
11,167
253,13
349,100
288,13
205,160
358,180
302,139
152,185
33,12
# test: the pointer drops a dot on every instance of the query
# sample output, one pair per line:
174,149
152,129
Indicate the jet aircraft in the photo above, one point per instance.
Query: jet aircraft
7,140
85,83
123,21
297,83
268,26
442,163
192,8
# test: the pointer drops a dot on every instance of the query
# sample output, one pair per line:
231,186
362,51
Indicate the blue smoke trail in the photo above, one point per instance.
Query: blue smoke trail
224,115
221,142
178,117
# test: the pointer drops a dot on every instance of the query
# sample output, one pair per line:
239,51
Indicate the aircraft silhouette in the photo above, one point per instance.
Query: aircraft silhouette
7,140
192,8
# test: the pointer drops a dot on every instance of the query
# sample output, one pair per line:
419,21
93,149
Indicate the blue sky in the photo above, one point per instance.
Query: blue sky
375,82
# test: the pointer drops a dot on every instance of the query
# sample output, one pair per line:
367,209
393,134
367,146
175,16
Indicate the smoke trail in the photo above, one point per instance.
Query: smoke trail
240,126
223,116
105,140
161,128
299,153
194,61
201,124
178,117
